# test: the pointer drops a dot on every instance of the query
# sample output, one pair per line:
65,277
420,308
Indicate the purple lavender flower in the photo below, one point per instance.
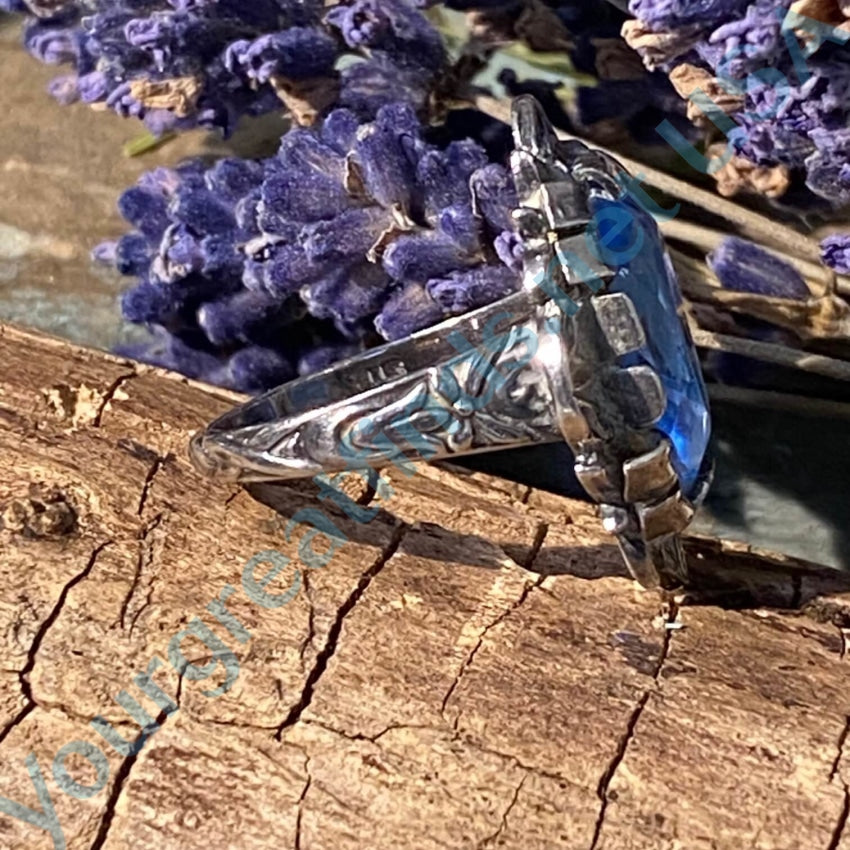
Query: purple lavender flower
407,310
368,85
746,267
356,218
185,254
784,114
745,44
835,252
670,14
251,272
296,53
177,64
404,54
461,291
391,30
828,166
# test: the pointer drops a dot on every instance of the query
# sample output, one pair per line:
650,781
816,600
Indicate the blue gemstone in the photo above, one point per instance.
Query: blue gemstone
626,238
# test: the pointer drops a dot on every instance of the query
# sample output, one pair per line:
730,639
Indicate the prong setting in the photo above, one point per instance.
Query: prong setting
621,460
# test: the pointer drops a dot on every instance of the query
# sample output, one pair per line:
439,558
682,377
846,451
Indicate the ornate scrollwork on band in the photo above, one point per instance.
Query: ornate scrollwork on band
480,399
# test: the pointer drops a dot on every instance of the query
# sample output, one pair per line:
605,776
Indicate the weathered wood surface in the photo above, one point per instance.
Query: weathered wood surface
470,670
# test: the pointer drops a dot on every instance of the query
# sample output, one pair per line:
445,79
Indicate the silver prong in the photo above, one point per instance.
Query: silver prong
527,178
580,265
650,476
538,265
640,395
531,174
670,516
565,206
620,322
531,128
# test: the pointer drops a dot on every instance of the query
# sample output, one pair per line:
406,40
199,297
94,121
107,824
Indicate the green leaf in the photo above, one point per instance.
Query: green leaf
554,62
146,143
452,26
566,96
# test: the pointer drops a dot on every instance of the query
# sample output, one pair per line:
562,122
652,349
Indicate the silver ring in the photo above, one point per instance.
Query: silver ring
592,350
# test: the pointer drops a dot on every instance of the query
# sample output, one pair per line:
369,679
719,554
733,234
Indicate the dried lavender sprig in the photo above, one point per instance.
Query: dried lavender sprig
181,63
353,232
836,252
747,267
785,115
177,65
386,213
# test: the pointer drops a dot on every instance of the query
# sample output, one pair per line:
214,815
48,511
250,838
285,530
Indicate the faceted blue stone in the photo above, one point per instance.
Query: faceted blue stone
626,238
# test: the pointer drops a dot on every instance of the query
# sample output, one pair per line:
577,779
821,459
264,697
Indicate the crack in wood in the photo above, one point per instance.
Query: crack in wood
510,758
156,466
540,536
142,608
123,774
492,839
232,498
327,651
17,719
179,692
467,663
111,390
43,629
835,773
121,777
842,741
527,769
562,780
232,724
614,764
299,816
47,704
537,545
146,555
311,623
368,495
372,739
602,790
145,558
843,817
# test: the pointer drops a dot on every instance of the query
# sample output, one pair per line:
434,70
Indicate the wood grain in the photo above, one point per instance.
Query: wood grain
471,669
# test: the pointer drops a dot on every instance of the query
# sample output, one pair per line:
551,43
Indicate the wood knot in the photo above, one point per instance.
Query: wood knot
44,513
